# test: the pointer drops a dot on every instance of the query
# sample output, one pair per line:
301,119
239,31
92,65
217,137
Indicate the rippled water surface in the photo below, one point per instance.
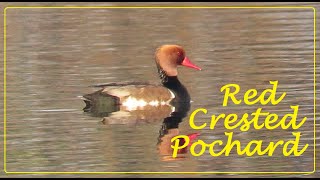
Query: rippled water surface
54,55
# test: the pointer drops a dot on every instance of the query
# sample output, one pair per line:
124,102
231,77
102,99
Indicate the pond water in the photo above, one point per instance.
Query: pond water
53,56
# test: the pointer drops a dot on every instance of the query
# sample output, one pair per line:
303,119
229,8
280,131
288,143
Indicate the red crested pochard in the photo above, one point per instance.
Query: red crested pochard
135,95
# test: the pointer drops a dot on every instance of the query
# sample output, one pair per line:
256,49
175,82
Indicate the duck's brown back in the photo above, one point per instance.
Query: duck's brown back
140,94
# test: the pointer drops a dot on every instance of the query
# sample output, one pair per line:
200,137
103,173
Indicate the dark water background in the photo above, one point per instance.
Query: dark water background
53,55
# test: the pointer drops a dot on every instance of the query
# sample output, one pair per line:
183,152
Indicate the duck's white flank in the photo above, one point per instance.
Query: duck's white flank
172,94
132,103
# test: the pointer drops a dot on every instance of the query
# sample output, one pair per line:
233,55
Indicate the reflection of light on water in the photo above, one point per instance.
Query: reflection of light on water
132,104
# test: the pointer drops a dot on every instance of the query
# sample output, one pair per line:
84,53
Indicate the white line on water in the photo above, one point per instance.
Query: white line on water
53,110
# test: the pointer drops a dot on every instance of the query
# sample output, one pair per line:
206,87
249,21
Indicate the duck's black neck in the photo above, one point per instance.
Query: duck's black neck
173,83
181,102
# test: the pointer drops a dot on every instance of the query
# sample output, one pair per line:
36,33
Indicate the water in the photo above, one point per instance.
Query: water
54,55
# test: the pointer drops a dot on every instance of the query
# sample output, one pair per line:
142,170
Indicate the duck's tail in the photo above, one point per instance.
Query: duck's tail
98,102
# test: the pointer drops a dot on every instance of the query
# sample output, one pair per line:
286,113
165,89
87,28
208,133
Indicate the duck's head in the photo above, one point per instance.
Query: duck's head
168,57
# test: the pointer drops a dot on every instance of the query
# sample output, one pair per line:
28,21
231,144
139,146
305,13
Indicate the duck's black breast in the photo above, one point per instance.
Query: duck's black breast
180,91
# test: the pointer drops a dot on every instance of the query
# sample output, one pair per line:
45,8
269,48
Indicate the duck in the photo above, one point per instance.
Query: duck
134,95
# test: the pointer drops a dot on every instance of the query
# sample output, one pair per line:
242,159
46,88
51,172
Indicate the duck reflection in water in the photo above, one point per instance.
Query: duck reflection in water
140,102
170,129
